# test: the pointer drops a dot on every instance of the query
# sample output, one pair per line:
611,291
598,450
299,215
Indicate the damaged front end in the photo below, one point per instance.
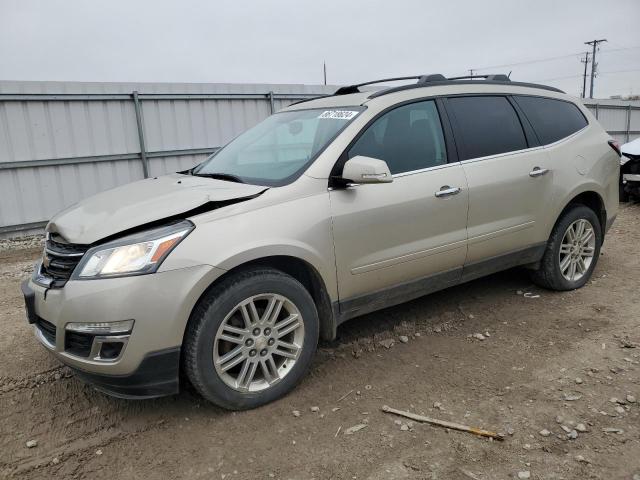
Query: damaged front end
130,230
630,170
629,176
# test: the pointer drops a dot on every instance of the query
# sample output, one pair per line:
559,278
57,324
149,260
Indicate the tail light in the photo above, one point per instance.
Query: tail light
616,146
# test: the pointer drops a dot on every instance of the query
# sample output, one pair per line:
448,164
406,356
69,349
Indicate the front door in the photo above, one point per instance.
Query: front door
400,240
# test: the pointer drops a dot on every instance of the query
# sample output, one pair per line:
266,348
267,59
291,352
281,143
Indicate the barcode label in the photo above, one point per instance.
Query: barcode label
338,114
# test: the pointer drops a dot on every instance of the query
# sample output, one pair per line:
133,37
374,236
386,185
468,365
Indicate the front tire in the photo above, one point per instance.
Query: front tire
572,250
251,339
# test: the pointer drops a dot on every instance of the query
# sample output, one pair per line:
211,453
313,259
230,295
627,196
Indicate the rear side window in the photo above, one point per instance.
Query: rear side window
408,138
488,126
552,119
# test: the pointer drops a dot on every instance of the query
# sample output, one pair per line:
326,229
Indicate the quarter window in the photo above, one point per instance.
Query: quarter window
408,138
551,119
487,125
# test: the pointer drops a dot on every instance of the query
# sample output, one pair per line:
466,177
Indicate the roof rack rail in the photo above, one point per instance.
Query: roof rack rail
500,77
346,90
349,89
434,79
325,95
441,80
422,79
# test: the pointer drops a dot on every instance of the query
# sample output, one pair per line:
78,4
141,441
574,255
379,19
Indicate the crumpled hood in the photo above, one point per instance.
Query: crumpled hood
142,202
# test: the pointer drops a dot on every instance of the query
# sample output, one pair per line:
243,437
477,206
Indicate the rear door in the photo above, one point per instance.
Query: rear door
399,240
510,182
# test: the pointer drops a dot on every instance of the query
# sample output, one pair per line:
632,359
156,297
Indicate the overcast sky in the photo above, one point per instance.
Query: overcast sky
286,41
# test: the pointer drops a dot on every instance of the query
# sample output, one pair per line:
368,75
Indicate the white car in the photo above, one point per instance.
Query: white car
630,170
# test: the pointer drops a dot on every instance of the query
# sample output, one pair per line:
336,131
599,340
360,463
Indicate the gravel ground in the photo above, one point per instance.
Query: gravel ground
558,373
21,243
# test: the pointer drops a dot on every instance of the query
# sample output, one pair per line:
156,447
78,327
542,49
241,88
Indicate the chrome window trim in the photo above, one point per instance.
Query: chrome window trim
423,170
488,157
478,159
577,132
406,174
526,150
500,155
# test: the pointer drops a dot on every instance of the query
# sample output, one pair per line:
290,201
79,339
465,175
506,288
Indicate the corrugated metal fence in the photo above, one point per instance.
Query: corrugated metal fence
621,118
63,141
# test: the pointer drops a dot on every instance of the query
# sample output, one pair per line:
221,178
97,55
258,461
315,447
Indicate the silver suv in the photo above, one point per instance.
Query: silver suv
228,274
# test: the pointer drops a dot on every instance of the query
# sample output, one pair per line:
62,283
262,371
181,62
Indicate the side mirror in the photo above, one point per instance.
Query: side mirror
360,169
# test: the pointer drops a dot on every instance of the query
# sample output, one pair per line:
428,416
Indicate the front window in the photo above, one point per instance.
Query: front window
408,138
280,148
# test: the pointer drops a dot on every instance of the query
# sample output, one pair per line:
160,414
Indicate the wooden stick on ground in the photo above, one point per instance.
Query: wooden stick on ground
443,423
345,395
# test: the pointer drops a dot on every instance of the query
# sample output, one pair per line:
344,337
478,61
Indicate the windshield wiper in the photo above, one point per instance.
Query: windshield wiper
220,176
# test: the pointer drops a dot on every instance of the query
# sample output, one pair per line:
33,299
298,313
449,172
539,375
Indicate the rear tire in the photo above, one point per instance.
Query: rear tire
572,251
251,339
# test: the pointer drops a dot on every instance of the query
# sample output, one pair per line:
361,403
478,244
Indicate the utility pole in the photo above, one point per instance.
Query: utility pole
594,65
585,60
324,65
471,72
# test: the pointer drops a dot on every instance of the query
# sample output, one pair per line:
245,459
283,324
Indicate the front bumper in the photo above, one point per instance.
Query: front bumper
157,376
159,304
631,177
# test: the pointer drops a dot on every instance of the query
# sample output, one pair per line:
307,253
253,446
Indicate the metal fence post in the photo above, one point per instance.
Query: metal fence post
271,104
143,150
628,122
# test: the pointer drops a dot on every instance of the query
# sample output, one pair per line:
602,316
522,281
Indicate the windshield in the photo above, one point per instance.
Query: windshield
278,149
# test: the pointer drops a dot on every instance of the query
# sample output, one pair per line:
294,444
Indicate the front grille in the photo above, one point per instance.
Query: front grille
60,259
47,329
78,343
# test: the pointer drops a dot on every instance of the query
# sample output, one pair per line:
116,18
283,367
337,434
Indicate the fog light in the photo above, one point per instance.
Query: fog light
101,328
111,350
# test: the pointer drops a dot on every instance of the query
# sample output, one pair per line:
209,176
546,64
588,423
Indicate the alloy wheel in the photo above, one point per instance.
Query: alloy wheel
258,342
577,249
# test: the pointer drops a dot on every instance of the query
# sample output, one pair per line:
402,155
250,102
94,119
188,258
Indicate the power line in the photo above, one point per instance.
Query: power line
580,75
540,60
548,59
620,71
556,78
607,50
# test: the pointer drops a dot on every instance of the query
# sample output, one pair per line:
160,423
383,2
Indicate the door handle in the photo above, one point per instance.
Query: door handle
447,191
538,172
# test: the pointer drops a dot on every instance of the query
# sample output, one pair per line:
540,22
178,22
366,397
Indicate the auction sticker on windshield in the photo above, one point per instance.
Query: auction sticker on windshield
338,114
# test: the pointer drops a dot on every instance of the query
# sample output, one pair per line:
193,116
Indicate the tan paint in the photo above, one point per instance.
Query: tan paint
359,240
137,203
392,233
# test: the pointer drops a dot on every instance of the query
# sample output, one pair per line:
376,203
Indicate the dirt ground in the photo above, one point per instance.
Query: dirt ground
548,362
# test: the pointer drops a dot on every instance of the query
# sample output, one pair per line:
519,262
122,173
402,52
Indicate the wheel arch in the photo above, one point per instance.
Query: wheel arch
590,198
300,269
595,202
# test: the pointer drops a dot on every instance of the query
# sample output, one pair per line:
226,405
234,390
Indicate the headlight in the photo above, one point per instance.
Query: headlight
133,255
